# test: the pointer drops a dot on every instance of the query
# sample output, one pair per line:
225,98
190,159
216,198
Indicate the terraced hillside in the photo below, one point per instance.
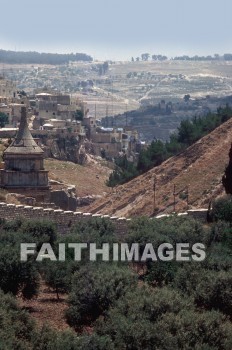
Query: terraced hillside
200,168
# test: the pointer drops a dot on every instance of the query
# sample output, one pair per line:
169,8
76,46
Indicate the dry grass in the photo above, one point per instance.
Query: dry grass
89,179
200,168
115,93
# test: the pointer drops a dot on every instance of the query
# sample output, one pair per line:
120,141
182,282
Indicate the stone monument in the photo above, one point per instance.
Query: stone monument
24,163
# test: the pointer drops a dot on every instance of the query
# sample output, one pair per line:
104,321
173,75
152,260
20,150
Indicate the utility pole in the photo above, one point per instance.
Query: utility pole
126,117
154,193
187,196
112,97
107,110
174,195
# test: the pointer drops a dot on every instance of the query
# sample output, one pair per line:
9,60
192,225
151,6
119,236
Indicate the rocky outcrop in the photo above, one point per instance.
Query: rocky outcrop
17,198
64,199
87,200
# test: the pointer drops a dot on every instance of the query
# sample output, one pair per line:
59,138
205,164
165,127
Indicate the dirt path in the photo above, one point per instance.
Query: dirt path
47,309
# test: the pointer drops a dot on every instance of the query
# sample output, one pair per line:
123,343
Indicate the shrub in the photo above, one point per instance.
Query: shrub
58,275
16,275
16,328
13,225
42,231
210,289
168,230
163,319
222,209
100,230
94,289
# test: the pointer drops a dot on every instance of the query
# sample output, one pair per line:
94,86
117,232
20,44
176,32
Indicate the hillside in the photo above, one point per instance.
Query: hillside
126,85
200,168
89,179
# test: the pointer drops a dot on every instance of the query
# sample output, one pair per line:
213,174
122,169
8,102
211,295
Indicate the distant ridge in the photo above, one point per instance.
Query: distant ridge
33,57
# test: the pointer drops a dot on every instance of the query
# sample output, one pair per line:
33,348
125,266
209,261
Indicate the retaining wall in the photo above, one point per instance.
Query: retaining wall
66,219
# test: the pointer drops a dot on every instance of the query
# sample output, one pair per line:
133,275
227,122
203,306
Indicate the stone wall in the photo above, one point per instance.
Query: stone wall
64,219
199,214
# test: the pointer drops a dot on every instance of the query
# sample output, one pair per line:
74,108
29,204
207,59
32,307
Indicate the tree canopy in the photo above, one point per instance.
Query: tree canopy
119,305
3,119
33,57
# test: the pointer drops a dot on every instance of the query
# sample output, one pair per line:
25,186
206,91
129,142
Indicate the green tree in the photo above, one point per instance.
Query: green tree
16,328
123,172
186,132
159,58
41,231
58,275
154,155
227,177
145,56
17,276
79,115
209,288
163,319
105,67
222,209
95,288
187,97
3,119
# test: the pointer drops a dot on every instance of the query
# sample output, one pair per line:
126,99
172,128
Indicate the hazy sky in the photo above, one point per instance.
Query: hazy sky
108,29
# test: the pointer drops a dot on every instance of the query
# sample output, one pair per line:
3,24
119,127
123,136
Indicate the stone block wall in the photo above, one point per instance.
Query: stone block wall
64,219
198,214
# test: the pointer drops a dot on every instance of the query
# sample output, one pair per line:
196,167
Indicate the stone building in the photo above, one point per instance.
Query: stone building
7,88
24,163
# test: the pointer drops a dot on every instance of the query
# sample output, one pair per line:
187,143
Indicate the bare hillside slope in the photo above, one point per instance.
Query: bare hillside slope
200,168
89,179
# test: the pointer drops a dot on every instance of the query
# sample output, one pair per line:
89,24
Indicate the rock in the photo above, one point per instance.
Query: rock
64,200
17,198
87,200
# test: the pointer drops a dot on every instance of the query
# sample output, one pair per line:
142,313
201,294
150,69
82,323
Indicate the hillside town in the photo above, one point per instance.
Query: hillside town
63,129
63,125
116,175
151,97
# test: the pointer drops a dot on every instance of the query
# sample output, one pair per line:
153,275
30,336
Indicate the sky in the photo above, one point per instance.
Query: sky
117,30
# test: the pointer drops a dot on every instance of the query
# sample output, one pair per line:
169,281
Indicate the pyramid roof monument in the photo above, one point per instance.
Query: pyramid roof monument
23,142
